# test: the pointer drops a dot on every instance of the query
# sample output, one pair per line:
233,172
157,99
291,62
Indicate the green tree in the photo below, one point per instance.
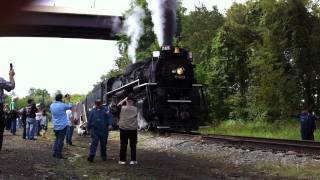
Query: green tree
40,96
233,44
76,98
285,67
38,92
198,30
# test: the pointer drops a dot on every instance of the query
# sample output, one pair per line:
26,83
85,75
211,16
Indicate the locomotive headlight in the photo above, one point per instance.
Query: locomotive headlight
156,53
180,71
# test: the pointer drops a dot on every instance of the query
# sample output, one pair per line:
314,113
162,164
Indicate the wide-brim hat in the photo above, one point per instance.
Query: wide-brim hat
131,97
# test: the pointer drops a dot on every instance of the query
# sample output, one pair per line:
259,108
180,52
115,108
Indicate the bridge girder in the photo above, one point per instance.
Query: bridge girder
29,23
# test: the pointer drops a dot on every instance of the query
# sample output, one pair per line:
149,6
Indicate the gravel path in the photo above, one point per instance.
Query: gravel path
232,155
228,155
159,158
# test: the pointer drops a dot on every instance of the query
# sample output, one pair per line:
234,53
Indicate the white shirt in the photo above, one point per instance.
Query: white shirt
44,121
69,116
39,116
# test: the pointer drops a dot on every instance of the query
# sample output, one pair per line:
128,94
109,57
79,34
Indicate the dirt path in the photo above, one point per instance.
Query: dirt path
21,159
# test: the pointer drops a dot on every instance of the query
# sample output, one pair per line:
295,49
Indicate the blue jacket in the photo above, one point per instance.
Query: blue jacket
99,119
59,115
308,122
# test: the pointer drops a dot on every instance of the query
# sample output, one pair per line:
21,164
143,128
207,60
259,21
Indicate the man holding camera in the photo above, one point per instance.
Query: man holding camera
60,123
8,86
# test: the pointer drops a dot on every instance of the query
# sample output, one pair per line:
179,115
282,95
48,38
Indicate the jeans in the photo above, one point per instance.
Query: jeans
19,125
2,125
58,143
69,134
36,127
13,126
96,137
132,136
24,126
307,135
30,127
8,124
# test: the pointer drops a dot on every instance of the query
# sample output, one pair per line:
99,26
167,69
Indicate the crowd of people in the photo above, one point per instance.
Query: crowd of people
33,119
99,123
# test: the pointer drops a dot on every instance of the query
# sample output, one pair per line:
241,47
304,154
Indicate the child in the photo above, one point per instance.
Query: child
44,123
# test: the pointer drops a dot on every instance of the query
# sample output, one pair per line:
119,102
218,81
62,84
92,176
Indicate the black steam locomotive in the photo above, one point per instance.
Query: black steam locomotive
167,93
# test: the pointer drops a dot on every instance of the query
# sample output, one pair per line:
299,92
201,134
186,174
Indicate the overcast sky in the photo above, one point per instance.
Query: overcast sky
69,65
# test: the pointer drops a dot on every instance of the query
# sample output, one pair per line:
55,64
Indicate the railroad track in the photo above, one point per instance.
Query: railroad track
308,147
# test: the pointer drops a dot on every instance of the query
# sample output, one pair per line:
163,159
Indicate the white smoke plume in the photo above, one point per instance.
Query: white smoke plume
116,25
164,19
133,27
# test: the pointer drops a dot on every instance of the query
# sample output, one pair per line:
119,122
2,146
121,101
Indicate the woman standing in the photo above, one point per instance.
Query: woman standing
128,125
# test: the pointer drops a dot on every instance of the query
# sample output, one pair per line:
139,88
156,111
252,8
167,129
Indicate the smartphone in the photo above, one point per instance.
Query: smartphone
11,66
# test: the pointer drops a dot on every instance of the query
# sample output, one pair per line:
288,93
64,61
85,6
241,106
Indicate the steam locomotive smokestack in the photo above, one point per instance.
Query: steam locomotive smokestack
164,20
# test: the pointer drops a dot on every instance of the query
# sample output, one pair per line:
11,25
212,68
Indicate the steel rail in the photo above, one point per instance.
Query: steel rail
260,143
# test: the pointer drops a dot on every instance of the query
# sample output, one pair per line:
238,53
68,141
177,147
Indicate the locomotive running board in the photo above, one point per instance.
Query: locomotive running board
147,84
122,87
179,101
163,127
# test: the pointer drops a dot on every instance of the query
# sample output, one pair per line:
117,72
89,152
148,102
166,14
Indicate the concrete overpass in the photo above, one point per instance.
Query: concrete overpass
39,21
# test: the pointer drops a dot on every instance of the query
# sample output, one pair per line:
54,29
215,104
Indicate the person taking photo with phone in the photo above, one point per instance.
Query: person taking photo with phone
8,86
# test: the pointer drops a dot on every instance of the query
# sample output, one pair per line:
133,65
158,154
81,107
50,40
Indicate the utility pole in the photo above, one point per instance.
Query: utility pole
43,98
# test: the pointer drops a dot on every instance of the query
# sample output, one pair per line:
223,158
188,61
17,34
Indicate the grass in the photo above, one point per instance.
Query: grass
289,129
291,171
